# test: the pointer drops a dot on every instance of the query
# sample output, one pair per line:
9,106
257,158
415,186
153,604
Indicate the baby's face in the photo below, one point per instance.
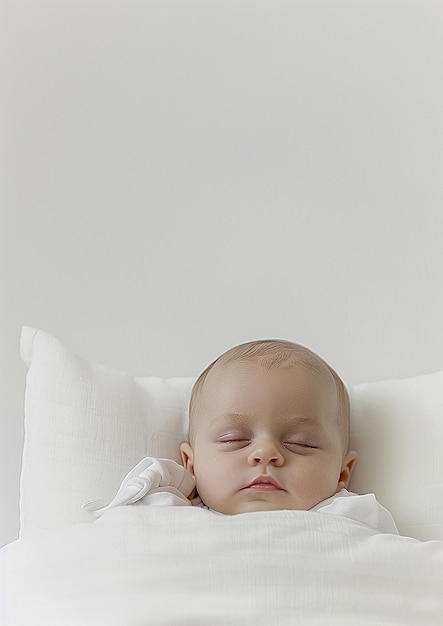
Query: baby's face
266,440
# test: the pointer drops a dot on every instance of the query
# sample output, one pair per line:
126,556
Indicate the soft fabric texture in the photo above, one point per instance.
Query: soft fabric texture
397,429
361,508
185,565
87,425
151,482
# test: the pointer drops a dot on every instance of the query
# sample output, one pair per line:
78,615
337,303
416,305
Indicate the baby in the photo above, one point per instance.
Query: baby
268,430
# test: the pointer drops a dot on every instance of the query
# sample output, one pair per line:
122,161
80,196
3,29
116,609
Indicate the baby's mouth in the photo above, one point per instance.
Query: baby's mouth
264,483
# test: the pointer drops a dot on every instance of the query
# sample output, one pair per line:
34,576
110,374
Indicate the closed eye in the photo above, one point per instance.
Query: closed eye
234,443
232,440
297,445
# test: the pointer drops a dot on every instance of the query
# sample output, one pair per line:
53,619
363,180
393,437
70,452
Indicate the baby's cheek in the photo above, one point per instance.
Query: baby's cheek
203,484
210,491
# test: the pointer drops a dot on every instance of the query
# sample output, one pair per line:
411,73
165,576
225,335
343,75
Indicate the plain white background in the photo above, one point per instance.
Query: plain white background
181,176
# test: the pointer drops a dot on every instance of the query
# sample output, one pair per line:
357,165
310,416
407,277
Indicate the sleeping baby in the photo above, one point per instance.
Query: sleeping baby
268,430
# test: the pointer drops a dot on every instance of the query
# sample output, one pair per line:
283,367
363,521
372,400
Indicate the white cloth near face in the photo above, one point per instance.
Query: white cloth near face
162,482
152,481
361,508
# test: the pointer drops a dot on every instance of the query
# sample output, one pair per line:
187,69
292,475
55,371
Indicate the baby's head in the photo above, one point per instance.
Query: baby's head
268,429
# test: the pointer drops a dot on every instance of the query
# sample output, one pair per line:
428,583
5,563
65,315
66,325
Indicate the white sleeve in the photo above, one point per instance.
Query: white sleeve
362,508
148,476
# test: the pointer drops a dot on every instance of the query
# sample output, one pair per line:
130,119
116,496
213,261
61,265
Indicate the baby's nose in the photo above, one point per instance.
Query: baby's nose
266,453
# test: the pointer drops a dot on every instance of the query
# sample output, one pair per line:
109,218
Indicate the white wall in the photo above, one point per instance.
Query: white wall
178,177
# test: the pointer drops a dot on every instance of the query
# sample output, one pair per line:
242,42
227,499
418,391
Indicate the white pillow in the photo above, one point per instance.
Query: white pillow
397,429
86,425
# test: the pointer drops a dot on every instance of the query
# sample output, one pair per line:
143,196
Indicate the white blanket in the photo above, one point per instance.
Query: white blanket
138,566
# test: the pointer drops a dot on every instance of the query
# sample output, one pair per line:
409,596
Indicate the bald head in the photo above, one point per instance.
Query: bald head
274,354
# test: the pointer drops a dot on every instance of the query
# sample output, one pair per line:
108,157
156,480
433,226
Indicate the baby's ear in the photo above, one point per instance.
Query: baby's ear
346,470
187,457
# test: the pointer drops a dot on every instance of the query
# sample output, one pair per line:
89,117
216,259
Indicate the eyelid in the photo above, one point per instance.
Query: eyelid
301,443
233,443
233,436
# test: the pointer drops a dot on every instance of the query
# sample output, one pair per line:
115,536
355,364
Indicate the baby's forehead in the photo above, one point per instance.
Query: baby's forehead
242,395
250,383
285,360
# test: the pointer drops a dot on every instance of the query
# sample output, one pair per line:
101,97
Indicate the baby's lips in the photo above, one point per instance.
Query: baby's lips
263,481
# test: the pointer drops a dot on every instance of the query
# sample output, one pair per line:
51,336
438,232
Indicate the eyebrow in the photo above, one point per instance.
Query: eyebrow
241,417
234,417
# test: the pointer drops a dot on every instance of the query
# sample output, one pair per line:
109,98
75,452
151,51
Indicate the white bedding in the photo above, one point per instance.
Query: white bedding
184,565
